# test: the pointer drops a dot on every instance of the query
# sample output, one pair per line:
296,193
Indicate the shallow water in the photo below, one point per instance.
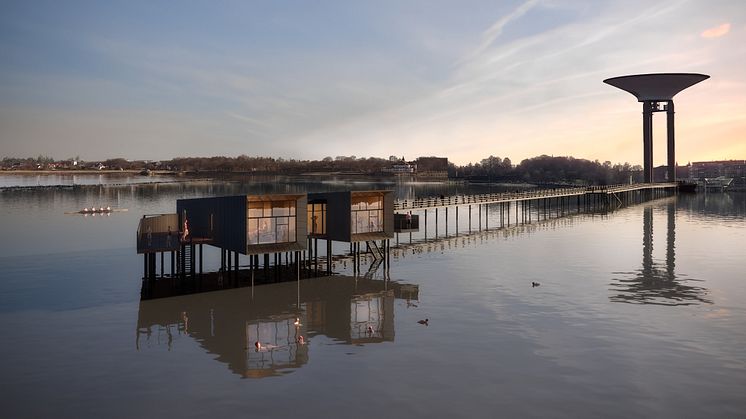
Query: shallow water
640,312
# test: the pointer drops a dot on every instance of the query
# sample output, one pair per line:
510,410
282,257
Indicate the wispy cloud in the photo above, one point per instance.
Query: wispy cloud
516,80
493,32
716,32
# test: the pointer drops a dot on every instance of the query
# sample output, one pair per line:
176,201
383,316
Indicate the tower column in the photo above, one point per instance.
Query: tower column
647,141
671,145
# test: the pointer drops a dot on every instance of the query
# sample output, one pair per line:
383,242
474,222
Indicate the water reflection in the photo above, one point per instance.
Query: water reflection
656,282
284,318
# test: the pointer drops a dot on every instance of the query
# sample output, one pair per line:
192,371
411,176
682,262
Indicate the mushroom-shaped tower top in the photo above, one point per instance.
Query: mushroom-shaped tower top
656,87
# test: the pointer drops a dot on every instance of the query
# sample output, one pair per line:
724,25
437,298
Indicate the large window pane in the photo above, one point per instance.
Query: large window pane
270,222
280,209
266,230
255,209
282,233
291,230
252,231
367,214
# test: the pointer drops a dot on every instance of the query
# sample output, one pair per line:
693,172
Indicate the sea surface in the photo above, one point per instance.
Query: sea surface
640,312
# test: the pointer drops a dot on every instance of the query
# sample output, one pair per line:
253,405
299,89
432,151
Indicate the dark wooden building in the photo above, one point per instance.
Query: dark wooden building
247,224
351,216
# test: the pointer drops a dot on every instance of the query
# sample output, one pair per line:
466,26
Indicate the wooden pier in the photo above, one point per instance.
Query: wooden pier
526,206
506,197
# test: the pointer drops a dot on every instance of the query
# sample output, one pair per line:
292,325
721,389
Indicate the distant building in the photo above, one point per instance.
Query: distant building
401,168
660,173
432,166
712,169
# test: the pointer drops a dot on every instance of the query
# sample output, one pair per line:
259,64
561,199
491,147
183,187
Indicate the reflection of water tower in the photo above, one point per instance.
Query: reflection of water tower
657,283
651,90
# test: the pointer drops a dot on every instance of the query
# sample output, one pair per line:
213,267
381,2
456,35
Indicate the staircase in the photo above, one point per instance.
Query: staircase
374,249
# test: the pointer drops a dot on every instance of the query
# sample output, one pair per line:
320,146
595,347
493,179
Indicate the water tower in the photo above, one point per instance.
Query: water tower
652,90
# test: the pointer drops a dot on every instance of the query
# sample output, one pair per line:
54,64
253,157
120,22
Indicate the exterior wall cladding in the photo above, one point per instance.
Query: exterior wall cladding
223,221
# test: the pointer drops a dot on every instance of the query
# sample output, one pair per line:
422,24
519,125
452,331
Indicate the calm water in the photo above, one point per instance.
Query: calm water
9,179
641,312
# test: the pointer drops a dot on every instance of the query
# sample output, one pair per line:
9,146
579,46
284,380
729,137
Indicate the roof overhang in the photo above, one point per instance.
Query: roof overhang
656,87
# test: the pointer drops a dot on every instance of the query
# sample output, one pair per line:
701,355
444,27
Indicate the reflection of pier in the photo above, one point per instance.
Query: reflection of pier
228,324
655,282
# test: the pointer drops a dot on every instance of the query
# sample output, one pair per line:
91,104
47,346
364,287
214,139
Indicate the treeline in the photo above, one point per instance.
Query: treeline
549,169
541,169
243,163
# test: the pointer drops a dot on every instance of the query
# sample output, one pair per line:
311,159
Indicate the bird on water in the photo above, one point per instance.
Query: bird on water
423,321
535,284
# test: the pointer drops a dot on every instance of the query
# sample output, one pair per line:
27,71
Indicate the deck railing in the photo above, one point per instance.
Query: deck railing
444,201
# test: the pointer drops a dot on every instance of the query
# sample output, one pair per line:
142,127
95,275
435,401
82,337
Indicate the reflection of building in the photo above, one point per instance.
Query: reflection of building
655,282
228,323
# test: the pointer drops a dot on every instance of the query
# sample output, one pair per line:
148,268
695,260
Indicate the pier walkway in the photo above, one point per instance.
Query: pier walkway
506,197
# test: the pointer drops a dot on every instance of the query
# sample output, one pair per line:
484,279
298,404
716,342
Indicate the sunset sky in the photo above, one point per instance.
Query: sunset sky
309,79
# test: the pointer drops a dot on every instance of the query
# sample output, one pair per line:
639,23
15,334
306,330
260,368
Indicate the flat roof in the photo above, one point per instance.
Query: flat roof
658,86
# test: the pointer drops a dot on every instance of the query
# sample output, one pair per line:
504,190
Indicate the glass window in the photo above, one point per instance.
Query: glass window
267,230
316,218
271,222
255,209
367,214
281,209
291,231
253,231
282,232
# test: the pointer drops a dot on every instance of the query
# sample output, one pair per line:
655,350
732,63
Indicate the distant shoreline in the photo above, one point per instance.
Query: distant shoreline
83,172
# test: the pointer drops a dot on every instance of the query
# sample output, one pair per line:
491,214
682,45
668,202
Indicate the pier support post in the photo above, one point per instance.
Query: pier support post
328,257
486,216
425,225
446,221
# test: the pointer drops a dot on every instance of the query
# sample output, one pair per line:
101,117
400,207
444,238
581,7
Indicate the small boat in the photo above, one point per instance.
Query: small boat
97,210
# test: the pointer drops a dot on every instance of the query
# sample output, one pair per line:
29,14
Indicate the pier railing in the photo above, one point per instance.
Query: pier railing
455,200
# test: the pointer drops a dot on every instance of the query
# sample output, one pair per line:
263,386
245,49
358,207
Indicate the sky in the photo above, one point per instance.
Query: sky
309,79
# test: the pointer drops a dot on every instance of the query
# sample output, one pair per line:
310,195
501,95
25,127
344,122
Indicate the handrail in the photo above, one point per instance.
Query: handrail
429,202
